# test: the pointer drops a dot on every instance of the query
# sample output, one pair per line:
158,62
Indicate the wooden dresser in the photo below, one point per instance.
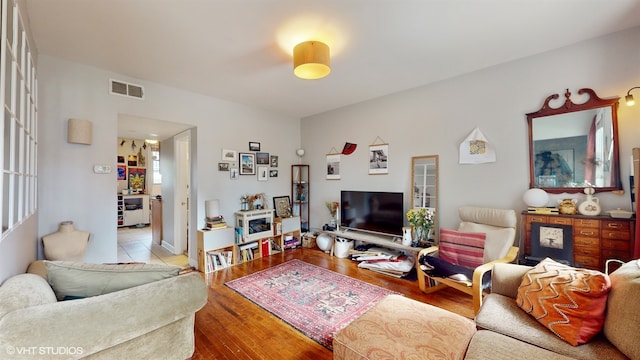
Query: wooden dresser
595,238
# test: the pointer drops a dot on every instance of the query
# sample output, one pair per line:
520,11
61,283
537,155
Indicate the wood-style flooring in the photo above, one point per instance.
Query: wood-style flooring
232,327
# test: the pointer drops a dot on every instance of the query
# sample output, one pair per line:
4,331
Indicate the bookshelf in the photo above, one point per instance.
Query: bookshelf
220,239
285,228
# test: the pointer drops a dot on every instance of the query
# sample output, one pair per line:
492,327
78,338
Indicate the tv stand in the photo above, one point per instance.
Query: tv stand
388,241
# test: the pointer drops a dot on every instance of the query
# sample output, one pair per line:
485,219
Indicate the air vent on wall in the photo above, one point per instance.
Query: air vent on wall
126,89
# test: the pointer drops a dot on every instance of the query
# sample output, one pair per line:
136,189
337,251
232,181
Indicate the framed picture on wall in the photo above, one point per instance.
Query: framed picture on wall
254,146
247,164
229,155
132,160
274,160
137,178
333,167
122,172
263,173
378,157
262,158
233,173
120,159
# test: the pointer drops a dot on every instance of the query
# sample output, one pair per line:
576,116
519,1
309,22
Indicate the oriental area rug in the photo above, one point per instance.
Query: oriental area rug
316,301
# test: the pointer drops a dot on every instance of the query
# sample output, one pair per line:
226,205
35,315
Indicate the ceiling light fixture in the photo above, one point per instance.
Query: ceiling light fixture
311,60
151,141
629,98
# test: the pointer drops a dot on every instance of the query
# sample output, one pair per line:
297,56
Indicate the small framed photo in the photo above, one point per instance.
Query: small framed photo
263,173
233,173
254,146
274,161
282,206
223,166
273,173
120,159
247,164
262,158
229,155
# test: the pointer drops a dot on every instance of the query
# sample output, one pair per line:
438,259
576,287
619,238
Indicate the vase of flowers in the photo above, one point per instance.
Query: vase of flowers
421,219
332,206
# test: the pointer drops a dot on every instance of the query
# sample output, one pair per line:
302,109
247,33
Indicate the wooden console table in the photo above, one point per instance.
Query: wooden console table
595,238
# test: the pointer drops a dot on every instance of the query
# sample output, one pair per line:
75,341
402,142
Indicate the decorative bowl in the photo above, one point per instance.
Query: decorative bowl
620,214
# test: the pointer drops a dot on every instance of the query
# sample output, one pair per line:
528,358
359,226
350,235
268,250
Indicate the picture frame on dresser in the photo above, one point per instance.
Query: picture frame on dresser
552,240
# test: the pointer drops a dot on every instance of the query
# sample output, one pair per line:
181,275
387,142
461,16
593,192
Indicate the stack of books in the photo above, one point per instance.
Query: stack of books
216,222
291,242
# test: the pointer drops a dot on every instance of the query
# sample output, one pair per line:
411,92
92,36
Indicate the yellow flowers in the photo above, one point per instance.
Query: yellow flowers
420,217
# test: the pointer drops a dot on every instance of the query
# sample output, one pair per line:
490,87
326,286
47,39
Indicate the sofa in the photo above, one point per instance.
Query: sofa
398,327
133,311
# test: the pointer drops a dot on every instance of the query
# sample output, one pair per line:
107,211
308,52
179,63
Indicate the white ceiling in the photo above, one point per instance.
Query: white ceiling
240,50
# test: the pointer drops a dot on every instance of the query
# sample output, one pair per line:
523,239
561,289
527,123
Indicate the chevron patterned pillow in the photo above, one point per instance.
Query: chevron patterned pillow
568,301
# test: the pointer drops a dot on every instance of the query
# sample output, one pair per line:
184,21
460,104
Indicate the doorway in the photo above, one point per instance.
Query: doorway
174,145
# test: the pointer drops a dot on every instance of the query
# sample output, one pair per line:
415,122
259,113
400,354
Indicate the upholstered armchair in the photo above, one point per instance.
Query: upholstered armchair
464,258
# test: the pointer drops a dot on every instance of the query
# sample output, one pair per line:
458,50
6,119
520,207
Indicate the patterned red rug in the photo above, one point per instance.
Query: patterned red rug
316,301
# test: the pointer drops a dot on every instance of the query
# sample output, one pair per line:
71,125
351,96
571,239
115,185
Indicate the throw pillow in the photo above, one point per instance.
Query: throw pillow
462,248
70,280
568,301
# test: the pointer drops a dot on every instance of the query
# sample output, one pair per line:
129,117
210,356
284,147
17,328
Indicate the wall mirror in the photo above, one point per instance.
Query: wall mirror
575,145
424,174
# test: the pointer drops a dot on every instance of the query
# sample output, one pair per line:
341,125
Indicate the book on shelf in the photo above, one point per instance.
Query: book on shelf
217,260
291,243
265,247
239,235
217,225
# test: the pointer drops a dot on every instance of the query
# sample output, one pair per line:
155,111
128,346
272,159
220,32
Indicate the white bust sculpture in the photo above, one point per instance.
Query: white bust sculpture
67,244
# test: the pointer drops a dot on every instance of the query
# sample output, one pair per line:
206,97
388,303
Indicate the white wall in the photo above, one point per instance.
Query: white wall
434,119
68,188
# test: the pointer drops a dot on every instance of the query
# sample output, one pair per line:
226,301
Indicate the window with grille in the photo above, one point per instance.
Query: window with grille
18,89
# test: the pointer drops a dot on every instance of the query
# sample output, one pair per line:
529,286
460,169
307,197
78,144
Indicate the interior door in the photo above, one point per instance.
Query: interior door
182,144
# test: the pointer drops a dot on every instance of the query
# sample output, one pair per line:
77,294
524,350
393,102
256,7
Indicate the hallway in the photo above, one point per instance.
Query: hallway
136,245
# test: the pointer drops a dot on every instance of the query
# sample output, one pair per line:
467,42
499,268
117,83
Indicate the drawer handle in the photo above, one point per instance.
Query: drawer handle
587,233
614,225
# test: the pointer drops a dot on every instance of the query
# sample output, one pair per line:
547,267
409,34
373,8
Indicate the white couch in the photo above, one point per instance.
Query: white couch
150,321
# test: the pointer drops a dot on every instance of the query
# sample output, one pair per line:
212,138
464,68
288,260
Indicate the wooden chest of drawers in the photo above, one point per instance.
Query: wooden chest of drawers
595,238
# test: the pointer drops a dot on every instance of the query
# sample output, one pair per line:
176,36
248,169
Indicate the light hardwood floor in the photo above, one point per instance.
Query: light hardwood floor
232,327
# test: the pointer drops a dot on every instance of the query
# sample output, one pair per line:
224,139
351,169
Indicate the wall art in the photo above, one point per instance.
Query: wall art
247,164
229,155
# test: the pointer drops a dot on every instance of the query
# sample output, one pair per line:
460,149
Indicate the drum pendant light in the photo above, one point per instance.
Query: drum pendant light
311,60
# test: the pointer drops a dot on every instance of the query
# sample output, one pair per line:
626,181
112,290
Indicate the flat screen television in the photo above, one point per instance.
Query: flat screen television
373,211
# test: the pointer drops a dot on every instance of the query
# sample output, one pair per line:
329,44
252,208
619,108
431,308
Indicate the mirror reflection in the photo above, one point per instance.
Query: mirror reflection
574,146
424,174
